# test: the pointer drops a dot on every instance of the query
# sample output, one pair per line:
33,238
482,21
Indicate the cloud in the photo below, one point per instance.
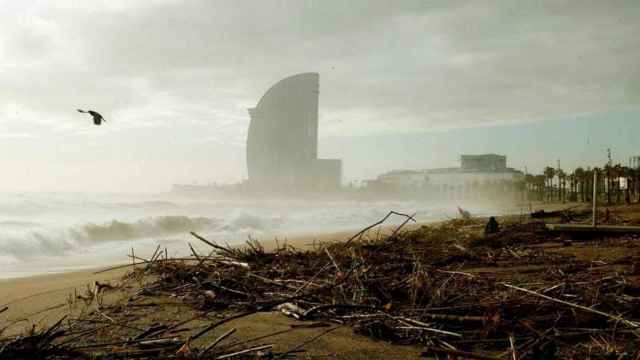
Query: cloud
414,66
191,68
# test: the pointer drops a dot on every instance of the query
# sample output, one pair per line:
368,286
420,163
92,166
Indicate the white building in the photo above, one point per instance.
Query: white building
476,172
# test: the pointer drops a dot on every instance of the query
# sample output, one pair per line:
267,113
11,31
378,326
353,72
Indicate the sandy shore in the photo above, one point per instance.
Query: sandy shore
41,299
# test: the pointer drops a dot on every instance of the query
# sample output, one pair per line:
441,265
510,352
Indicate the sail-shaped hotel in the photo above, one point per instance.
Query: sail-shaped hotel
282,145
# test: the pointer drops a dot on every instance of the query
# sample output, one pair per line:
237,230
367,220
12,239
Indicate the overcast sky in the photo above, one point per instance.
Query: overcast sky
174,80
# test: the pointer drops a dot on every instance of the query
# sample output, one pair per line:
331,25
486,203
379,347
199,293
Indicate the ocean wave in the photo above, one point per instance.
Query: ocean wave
27,240
56,242
87,229
157,226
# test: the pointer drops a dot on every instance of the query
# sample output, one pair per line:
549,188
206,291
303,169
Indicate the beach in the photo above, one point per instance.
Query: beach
30,297
42,300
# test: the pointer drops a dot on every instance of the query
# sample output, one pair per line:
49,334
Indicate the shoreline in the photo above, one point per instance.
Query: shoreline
42,297
38,299
299,240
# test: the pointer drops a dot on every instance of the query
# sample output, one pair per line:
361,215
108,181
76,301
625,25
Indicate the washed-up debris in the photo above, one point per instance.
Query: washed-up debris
412,288
492,226
464,214
598,230
447,287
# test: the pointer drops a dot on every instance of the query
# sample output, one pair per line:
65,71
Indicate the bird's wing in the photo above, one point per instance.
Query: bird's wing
97,115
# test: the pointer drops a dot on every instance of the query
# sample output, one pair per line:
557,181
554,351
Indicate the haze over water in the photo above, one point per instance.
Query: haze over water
405,85
52,232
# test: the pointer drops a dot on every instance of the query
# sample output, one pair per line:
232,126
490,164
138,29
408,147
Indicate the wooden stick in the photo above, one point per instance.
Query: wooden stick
513,347
217,341
117,267
217,247
242,352
193,251
455,272
426,327
220,322
409,218
457,353
455,318
304,286
279,332
269,281
626,322
332,259
376,224
315,309
297,347
155,253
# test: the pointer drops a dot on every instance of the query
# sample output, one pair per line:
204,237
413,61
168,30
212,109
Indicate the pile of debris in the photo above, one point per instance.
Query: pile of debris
448,287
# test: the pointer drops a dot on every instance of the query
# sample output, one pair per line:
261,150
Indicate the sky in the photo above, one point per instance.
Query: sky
403,84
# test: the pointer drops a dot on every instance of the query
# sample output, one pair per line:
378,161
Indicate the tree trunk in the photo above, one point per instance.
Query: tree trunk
608,187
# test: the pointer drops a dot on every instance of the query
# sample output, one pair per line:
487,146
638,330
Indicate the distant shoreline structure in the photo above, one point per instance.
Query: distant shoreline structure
282,159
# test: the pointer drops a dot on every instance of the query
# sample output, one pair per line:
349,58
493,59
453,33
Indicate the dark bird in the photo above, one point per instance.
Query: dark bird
97,118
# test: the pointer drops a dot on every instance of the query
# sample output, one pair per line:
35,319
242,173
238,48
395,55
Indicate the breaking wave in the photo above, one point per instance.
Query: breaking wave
165,225
20,245
39,232
21,241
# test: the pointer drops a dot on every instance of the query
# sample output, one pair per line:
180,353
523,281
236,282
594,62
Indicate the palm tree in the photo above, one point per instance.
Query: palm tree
618,172
608,171
580,179
588,182
600,178
573,192
626,173
540,183
549,173
633,182
562,177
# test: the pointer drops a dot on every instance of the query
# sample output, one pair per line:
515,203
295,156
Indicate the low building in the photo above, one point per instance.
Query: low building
404,178
485,162
634,162
477,174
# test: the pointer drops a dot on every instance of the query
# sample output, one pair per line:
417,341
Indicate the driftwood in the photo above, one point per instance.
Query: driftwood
631,324
457,354
446,287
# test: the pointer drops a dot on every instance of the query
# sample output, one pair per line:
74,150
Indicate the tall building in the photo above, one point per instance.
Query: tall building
282,145
634,162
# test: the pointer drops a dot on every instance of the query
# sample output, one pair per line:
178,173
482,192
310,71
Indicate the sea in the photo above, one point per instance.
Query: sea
43,233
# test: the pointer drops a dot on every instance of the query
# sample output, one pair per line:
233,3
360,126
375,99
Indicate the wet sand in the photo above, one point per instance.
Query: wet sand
42,298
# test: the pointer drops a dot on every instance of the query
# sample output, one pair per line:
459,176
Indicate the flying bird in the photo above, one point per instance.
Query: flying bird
97,118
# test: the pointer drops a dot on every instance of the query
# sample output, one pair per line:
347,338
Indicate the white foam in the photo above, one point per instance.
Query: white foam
70,231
